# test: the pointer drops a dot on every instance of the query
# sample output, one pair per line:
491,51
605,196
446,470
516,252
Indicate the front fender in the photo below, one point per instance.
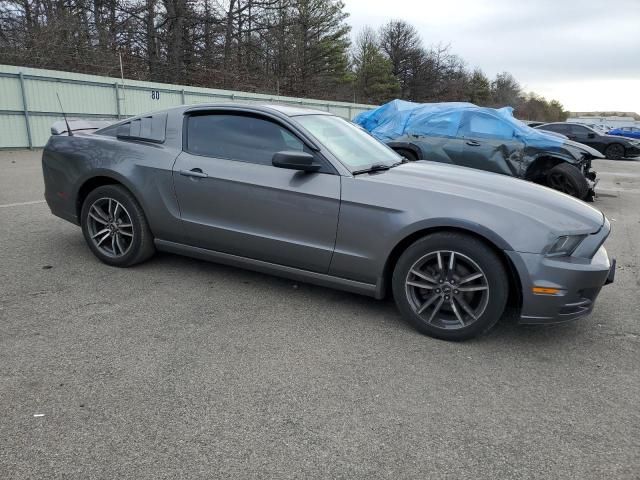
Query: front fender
443,223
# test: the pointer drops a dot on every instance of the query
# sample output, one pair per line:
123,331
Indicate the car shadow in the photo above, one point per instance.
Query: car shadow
506,330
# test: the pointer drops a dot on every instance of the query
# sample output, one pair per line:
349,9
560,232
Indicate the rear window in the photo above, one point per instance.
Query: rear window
557,127
149,128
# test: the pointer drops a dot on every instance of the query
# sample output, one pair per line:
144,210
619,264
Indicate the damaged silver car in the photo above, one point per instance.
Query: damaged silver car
483,138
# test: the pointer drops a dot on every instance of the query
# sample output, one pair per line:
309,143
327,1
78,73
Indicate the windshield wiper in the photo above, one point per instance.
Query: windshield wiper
376,167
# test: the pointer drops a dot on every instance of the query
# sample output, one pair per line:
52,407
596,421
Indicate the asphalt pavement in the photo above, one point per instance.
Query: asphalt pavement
179,368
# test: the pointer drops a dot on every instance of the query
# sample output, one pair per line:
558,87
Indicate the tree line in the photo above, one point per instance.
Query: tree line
285,47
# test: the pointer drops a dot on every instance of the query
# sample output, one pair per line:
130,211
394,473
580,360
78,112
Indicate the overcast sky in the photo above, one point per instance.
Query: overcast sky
585,53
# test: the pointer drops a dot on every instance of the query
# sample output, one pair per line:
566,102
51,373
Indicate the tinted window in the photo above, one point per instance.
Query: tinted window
580,130
557,127
485,126
238,137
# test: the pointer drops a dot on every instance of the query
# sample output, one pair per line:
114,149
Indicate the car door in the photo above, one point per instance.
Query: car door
233,200
587,136
437,137
490,144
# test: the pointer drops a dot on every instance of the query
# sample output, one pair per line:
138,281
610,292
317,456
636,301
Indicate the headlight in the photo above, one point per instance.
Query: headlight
565,245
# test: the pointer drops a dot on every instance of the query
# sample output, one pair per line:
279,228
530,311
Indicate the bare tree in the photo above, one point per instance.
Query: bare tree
401,43
290,47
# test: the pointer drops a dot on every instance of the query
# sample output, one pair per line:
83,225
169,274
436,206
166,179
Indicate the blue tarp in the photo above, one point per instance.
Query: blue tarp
453,119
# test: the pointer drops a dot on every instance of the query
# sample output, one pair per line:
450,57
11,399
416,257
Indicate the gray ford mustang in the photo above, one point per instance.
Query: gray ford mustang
309,196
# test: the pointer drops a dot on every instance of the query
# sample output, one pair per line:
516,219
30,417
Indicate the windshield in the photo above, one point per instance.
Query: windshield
354,147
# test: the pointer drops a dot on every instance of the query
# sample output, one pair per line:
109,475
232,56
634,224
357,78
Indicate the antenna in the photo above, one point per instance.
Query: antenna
69,131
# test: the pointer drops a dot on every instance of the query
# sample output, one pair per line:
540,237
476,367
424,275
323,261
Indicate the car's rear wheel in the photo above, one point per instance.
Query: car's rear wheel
614,151
450,285
115,227
568,179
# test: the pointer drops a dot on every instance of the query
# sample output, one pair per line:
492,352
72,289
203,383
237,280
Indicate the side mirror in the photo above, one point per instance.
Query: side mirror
294,160
591,135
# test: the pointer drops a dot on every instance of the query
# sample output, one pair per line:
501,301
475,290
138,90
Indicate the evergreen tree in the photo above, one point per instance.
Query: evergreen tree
374,80
479,88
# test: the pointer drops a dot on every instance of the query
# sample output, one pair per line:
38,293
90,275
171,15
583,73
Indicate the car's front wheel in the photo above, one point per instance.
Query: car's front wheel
450,285
115,227
568,179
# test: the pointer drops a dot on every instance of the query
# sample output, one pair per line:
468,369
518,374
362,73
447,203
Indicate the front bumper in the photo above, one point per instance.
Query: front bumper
632,151
579,281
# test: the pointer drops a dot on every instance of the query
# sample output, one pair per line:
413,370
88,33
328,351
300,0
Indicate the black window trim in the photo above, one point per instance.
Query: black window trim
327,166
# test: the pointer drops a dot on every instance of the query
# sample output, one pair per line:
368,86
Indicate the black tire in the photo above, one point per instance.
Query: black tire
408,154
136,250
615,151
442,323
566,178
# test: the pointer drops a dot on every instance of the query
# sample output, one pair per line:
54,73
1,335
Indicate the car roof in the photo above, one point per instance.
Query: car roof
292,111
287,110
567,123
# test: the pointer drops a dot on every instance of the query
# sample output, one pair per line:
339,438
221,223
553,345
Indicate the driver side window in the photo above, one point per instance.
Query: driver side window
243,138
579,130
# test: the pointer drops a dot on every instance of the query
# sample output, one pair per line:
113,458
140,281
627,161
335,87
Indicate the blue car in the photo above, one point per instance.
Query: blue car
629,132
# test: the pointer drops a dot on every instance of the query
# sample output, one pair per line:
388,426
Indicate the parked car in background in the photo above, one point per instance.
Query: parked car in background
612,146
629,132
307,195
483,138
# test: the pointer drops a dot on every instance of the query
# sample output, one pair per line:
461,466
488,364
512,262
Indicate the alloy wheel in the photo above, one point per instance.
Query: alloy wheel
110,227
447,289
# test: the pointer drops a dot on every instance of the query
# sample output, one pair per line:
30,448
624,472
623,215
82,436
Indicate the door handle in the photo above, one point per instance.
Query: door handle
473,143
194,172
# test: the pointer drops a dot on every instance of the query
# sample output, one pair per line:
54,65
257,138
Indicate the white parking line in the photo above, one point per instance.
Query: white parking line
7,205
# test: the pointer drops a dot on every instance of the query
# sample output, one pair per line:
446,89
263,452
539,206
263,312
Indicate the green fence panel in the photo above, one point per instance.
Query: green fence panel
13,131
93,97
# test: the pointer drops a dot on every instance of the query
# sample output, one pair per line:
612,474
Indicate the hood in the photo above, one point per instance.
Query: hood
583,148
556,211
619,137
